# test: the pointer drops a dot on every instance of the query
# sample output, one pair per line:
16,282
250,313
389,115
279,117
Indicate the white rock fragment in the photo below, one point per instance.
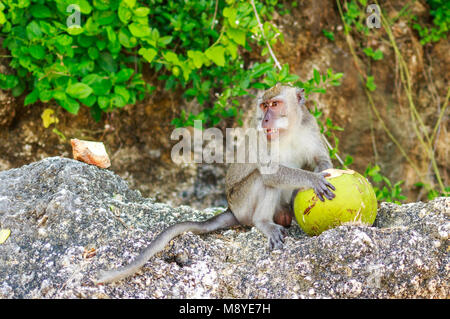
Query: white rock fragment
93,153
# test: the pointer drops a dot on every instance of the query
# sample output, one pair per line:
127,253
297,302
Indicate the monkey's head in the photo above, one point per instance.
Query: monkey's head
279,110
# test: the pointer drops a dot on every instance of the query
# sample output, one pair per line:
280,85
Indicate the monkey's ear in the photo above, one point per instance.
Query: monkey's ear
300,92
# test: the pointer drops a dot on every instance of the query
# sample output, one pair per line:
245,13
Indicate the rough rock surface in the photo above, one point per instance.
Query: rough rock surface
69,219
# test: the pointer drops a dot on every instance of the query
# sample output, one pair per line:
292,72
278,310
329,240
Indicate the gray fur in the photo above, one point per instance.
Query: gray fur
253,196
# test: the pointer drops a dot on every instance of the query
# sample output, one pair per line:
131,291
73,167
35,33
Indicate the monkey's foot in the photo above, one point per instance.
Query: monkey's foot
274,232
276,238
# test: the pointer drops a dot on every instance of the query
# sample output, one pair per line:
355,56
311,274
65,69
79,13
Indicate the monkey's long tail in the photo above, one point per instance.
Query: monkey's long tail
223,220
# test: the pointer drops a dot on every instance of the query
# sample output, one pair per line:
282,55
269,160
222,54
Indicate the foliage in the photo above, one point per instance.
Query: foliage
383,187
375,55
99,64
432,193
78,65
318,84
440,11
370,83
328,34
355,16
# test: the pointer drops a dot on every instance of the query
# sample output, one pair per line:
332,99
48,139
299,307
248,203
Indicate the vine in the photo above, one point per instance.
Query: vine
419,127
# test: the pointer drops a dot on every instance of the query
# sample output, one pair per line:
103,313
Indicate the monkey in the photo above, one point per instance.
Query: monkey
258,198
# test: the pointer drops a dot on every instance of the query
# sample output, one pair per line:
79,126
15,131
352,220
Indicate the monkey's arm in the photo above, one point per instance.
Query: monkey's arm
238,172
288,177
223,220
322,163
323,160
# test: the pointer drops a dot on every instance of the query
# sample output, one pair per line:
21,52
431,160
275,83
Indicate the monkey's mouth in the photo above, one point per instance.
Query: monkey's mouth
270,132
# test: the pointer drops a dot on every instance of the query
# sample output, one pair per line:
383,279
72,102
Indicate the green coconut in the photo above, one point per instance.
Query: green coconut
355,202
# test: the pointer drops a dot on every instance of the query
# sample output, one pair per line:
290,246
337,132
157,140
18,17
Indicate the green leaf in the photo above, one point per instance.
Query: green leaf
238,35
8,81
291,78
126,39
316,76
141,12
216,54
99,84
328,34
123,92
71,105
197,58
171,57
370,84
112,37
64,40
284,72
118,100
93,53
260,69
75,30
37,51
368,51
32,97
2,18
33,31
107,63
105,17
186,70
102,4
89,101
18,89
45,95
59,95
129,3
79,90
123,75
103,102
348,160
230,13
85,6
92,27
124,14
163,41
101,45
139,30
40,11
232,49
148,54
378,55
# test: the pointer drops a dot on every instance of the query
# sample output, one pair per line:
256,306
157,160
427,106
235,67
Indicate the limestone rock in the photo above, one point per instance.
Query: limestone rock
68,220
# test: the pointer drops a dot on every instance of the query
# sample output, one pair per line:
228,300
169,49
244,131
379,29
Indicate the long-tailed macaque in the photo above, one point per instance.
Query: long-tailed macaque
255,197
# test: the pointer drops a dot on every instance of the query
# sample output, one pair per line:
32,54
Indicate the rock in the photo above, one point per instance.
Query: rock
90,152
68,220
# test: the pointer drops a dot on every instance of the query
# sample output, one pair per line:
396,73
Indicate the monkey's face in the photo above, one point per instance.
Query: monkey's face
275,120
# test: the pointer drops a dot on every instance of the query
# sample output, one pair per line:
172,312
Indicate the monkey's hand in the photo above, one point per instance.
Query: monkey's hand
321,186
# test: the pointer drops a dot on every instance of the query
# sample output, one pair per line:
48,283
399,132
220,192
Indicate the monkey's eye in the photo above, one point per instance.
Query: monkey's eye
263,105
274,104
